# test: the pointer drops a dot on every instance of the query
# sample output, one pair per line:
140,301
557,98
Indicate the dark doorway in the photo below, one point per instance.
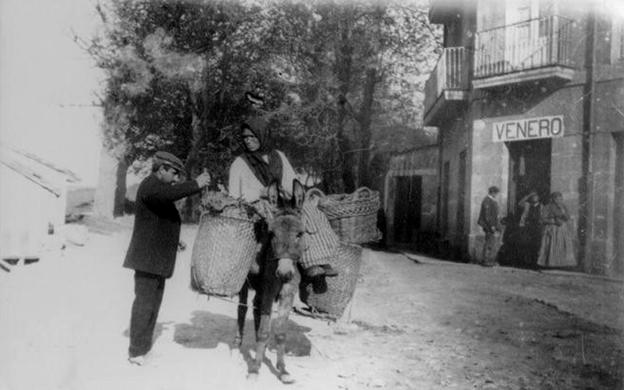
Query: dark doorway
618,215
461,199
407,208
446,178
530,170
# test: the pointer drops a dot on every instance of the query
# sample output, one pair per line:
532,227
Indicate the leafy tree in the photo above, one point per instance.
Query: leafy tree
337,78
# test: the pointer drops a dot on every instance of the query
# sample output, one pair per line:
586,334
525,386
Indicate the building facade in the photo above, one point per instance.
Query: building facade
410,196
33,203
529,95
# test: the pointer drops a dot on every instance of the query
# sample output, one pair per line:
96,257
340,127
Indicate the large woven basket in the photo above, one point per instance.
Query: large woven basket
334,294
223,252
353,216
320,239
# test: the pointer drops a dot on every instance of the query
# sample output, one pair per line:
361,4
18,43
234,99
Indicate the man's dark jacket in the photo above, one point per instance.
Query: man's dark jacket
157,222
488,216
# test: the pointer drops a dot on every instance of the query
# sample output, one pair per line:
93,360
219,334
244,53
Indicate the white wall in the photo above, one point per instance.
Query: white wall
26,210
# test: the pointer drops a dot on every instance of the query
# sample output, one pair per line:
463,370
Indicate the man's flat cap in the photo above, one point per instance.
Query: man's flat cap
171,160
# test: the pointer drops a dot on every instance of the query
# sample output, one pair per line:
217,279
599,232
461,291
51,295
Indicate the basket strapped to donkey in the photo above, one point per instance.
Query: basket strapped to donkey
353,216
334,294
321,241
224,249
329,295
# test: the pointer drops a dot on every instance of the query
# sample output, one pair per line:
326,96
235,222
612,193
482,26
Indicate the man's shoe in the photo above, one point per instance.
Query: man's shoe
329,271
314,271
137,360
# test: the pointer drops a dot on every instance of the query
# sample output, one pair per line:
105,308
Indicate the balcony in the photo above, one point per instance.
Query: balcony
447,88
536,49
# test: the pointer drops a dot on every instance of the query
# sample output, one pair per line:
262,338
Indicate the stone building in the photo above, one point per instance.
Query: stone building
529,95
410,196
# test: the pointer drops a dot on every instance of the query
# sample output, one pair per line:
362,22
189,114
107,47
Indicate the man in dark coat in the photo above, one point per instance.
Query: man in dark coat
154,243
488,220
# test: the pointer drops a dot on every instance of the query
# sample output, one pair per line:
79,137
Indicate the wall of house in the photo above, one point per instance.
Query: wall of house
489,162
422,162
455,139
606,161
26,210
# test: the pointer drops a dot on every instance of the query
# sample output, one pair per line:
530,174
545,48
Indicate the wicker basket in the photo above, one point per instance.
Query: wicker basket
223,252
353,216
321,240
334,293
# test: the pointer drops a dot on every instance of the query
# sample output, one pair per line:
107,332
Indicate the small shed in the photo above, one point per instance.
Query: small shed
33,200
410,202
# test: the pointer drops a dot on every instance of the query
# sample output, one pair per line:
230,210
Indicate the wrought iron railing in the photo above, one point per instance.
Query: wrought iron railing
450,73
522,46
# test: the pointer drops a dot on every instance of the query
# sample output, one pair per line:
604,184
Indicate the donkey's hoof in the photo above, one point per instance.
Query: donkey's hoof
252,376
286,379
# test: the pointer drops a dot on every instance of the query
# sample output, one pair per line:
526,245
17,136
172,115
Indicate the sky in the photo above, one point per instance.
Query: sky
48,83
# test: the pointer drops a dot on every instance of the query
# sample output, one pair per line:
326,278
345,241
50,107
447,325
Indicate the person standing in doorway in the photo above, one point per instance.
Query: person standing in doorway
489,221
530,228
557,248
154,243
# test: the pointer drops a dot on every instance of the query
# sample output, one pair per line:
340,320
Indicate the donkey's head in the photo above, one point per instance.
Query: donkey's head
287,230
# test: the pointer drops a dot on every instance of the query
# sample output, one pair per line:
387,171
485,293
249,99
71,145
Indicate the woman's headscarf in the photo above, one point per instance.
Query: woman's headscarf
555,195
264,172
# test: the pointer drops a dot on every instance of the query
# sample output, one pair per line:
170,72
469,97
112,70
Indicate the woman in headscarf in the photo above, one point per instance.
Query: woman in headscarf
557,248
530,228
257,167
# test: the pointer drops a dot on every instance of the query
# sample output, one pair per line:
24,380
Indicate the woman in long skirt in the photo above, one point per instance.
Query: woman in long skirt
557,248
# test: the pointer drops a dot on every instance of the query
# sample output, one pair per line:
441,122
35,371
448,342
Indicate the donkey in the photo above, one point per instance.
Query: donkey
276,280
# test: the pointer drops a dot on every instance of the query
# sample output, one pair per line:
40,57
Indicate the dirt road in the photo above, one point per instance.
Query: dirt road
421,324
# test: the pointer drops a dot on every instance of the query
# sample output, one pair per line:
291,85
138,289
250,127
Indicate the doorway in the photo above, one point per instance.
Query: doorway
407,209
461,201
529,171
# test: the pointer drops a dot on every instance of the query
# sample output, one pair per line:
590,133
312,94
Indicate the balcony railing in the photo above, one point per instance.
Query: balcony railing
450,73
527,45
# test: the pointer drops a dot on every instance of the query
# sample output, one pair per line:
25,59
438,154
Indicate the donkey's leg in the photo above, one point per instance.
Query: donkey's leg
242,313
257,306
286,298
262,338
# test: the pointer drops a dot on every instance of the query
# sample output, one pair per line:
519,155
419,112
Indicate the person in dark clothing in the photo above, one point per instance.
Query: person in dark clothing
530,228
489,221
153,246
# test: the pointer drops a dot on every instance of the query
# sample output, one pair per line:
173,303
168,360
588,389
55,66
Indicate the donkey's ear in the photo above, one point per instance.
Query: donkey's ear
273,194
298,194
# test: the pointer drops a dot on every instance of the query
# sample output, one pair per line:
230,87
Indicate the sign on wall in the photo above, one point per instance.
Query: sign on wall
528,128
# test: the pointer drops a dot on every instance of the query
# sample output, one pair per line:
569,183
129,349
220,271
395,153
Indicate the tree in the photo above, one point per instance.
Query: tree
330,73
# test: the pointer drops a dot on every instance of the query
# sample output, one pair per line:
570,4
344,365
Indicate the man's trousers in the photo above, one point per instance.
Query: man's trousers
148,293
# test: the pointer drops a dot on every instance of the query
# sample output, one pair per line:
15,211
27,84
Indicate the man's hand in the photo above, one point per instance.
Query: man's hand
203,180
